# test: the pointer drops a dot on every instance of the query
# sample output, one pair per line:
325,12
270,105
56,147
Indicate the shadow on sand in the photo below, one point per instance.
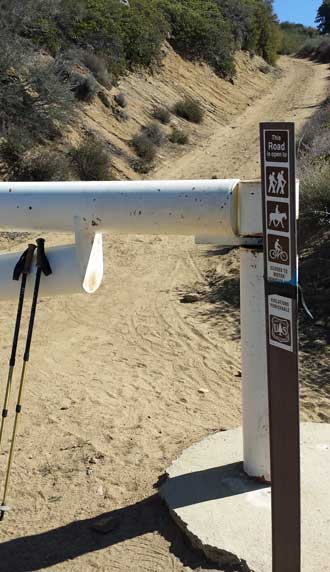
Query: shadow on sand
48,549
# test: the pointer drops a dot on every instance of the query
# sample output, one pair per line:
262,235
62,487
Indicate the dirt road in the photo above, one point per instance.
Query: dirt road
233,151
120,383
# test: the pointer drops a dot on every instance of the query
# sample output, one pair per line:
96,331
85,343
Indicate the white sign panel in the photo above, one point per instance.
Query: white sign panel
277,204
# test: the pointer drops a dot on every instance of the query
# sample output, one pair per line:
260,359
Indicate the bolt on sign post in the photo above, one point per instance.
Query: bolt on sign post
281,285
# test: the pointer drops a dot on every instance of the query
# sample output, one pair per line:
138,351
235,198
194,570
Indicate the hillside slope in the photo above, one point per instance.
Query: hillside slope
221,100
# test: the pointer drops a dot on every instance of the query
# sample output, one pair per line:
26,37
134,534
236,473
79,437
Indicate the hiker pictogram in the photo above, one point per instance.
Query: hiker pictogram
277,179
278,216
277,183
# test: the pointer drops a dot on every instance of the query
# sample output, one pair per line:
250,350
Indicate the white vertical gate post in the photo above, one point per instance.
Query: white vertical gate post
254,365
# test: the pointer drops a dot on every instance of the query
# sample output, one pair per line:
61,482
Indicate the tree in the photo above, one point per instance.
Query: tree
323,17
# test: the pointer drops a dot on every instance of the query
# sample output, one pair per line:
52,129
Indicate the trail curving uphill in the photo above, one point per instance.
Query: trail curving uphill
121,382
233,151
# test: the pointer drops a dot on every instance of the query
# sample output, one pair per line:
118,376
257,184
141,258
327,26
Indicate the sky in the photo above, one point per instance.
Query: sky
299,11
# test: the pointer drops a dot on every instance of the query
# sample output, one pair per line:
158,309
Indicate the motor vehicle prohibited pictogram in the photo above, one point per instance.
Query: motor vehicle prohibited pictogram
281,275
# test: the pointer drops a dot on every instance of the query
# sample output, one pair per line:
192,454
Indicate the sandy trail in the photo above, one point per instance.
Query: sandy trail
120,383
233,151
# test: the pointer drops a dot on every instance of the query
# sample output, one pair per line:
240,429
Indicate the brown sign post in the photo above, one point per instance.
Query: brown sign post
281,283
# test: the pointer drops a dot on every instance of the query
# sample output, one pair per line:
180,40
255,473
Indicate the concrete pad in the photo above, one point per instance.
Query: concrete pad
228,516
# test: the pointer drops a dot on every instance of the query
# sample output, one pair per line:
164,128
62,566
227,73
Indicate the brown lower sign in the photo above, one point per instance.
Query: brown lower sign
279,217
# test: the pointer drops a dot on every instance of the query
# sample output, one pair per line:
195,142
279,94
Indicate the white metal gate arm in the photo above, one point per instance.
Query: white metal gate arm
138,207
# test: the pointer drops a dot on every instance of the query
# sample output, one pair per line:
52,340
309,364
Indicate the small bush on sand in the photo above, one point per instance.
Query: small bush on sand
161,114
121,100
179,137
98,67
314,174
190,110
91,160
146,142
13,146
104,98
314,199
86,88
45,166
154,133
144,147
141,166
120,114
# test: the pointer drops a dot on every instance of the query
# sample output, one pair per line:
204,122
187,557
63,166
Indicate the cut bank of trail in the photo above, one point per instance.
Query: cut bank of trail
120,383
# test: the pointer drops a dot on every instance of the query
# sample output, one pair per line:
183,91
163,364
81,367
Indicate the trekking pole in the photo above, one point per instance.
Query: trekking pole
22,268
42,266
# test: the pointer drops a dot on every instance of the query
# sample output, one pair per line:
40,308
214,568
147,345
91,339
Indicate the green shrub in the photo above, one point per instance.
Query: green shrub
144,29
199,32
161,114
239,14
124,36
295,36
179,137
91,160
190,110
266,36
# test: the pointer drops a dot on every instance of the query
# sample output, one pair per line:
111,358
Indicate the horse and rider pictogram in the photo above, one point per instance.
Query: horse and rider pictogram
278,216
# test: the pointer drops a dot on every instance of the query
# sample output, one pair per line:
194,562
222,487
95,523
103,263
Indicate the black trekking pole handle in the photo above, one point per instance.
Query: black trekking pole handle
24,264
23,267
29,259
42,260
43,266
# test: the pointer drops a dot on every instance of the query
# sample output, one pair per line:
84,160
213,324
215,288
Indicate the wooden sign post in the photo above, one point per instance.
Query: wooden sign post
281,284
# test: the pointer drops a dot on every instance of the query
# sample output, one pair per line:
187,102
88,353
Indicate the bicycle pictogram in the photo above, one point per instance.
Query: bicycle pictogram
277,253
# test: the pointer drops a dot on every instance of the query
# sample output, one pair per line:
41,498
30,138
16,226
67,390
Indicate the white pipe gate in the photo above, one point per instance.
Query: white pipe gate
222,212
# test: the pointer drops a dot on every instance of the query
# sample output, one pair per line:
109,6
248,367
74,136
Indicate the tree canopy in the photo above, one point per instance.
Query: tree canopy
323,17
